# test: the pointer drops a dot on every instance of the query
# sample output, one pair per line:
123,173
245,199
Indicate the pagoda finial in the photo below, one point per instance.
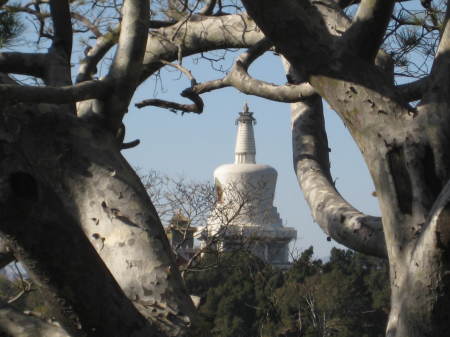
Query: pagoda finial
246,107
245,149
246,116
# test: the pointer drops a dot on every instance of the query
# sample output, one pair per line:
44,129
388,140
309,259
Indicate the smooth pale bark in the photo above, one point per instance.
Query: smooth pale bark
406,151
198,34
88,65
337,218
126,67
78,170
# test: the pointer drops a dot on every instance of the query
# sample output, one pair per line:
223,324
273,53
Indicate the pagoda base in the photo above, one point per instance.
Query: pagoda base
269,243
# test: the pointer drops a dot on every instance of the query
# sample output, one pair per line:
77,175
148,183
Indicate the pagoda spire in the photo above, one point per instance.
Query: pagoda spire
245,150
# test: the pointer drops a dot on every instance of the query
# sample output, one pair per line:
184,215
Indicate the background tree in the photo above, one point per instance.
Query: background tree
72,209
344,297
206,212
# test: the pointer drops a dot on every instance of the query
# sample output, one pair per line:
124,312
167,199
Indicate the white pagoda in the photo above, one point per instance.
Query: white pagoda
244,215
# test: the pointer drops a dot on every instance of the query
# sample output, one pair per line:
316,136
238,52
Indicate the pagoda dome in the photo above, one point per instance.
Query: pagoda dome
244,213
246,182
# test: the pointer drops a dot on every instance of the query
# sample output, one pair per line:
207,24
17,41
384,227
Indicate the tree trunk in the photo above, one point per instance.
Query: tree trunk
406,149
74,167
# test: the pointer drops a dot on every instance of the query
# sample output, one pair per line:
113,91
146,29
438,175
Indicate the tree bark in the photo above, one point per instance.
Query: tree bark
53,162
405,149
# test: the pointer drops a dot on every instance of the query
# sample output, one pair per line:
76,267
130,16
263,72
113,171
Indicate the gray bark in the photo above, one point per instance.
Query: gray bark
330,210
406,149
63,175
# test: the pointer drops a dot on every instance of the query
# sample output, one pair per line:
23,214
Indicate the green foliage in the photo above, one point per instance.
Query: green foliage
348,296
345,297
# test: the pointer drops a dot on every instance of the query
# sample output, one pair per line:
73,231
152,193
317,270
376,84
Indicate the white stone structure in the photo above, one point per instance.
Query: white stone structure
244,216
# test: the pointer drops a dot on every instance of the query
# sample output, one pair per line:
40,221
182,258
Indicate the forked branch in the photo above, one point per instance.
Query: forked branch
337,218
126,68
240,79
196,107
365,35
88,65
208,8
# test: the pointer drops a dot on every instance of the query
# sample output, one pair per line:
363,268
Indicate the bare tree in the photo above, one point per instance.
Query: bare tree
74,212
206,216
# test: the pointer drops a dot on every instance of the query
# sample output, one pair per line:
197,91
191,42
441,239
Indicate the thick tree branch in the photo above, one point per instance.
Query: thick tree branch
196,107
57,95
32,64
441,65
88,65
317,23
90,25
62,26
16,324
288,93
208,8
255,51
198,34
58,70
365,35
161,24
413,91
346,3
239,78
126,68
208,86
334,214
335,77
437,89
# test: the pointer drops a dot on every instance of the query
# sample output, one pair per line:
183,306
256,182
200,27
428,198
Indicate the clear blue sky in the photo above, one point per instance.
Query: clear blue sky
194,145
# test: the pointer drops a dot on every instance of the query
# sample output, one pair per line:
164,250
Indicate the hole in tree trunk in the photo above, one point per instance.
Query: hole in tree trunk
431,178
23,186
400,175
